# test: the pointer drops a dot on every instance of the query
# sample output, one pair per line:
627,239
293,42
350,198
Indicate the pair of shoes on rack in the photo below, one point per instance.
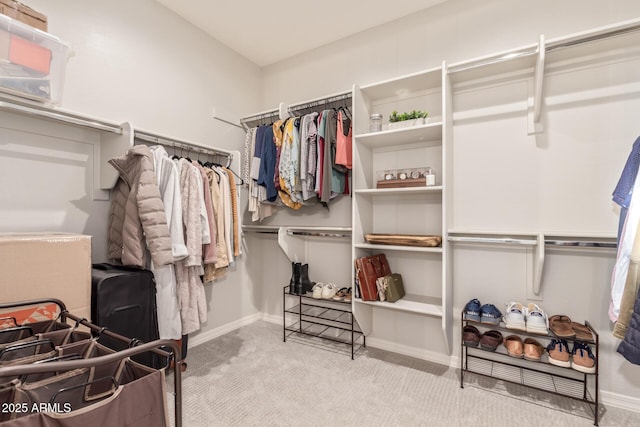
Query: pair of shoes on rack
487,313
343,294
530,319
529,349
299,284
581,358
562,327
329,291
489,341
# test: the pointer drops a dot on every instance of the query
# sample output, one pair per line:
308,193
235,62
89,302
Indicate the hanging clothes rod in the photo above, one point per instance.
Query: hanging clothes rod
261,229
228,122
320,101
317,234
59,116
326,100
595,35
573,242
189,146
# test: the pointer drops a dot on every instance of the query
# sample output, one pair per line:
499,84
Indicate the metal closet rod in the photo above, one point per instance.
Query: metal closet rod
189,146
317,234
297,107
300,231
549,46
323,101
553,241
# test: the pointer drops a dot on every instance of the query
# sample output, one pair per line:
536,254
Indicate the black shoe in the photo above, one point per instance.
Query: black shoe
294,283
304,278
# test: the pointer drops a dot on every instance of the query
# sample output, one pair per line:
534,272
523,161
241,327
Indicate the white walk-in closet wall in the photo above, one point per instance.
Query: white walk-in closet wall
139,62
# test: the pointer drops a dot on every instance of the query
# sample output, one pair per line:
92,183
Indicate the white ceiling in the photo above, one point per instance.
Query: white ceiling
266,32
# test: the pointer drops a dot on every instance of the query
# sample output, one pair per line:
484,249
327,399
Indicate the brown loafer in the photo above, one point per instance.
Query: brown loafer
560,325
533,350
471,336
514,346
490,340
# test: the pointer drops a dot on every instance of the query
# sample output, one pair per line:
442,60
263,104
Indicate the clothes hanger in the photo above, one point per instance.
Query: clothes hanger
175,155
236,175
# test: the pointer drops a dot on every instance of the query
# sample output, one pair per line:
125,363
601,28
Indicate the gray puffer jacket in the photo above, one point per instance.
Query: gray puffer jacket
136,217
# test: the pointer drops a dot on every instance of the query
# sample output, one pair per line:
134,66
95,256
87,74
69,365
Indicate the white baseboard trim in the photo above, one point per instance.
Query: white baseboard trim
621,401
406,350
272,318
224,329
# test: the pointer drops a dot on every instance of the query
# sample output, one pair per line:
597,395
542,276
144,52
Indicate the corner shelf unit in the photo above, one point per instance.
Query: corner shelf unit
539,375
321,318
412,210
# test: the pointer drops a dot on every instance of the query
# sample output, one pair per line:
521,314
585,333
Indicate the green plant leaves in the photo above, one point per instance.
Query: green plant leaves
415,114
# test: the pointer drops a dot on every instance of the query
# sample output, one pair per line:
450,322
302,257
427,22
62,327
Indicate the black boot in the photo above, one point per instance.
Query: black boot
294,283
299,288
307,285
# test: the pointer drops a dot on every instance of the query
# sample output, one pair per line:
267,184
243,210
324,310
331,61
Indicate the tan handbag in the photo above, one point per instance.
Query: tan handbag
393,287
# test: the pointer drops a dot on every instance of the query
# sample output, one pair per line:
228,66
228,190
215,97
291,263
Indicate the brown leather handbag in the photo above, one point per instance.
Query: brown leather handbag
368,269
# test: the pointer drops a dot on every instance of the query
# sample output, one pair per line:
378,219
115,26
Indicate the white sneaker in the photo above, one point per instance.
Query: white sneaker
317,290
514,317
536,318
329,291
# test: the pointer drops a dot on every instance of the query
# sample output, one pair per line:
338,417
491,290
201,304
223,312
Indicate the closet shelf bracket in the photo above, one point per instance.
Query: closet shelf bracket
535,124
534,287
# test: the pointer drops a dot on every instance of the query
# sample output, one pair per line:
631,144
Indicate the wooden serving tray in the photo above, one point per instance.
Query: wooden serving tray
401,183
403,239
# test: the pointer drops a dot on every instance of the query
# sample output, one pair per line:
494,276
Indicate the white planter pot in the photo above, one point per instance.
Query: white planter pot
407,123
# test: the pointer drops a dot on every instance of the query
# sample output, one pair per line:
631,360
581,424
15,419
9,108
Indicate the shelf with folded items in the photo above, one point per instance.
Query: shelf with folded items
568,381
327,320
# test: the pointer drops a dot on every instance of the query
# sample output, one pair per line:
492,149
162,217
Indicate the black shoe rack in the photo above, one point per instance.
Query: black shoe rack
539,375
325,320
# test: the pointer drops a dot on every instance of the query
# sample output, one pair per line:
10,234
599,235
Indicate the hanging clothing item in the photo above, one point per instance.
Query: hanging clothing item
630,292
320,158
287,167
167,306
625,244
136,216
257,193
211,272
225,197
235,221
208,249
267,162
191,295
344,140
332,183
630,346
308,155
204,217
168,179
278,128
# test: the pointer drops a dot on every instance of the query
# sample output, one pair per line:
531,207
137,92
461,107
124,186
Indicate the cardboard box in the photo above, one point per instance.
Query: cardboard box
46,265
23,13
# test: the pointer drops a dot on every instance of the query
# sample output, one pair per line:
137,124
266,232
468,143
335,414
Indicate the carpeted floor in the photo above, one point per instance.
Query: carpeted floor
250,377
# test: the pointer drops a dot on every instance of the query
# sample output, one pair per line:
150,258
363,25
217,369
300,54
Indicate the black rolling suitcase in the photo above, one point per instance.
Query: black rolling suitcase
123,299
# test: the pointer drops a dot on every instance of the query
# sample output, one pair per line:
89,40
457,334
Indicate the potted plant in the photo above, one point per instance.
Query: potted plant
406,119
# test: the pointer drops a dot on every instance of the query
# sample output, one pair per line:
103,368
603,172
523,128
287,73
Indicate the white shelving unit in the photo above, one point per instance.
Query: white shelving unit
414,210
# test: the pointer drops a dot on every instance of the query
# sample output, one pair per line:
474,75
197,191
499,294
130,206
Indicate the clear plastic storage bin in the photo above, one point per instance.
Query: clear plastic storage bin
32,62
